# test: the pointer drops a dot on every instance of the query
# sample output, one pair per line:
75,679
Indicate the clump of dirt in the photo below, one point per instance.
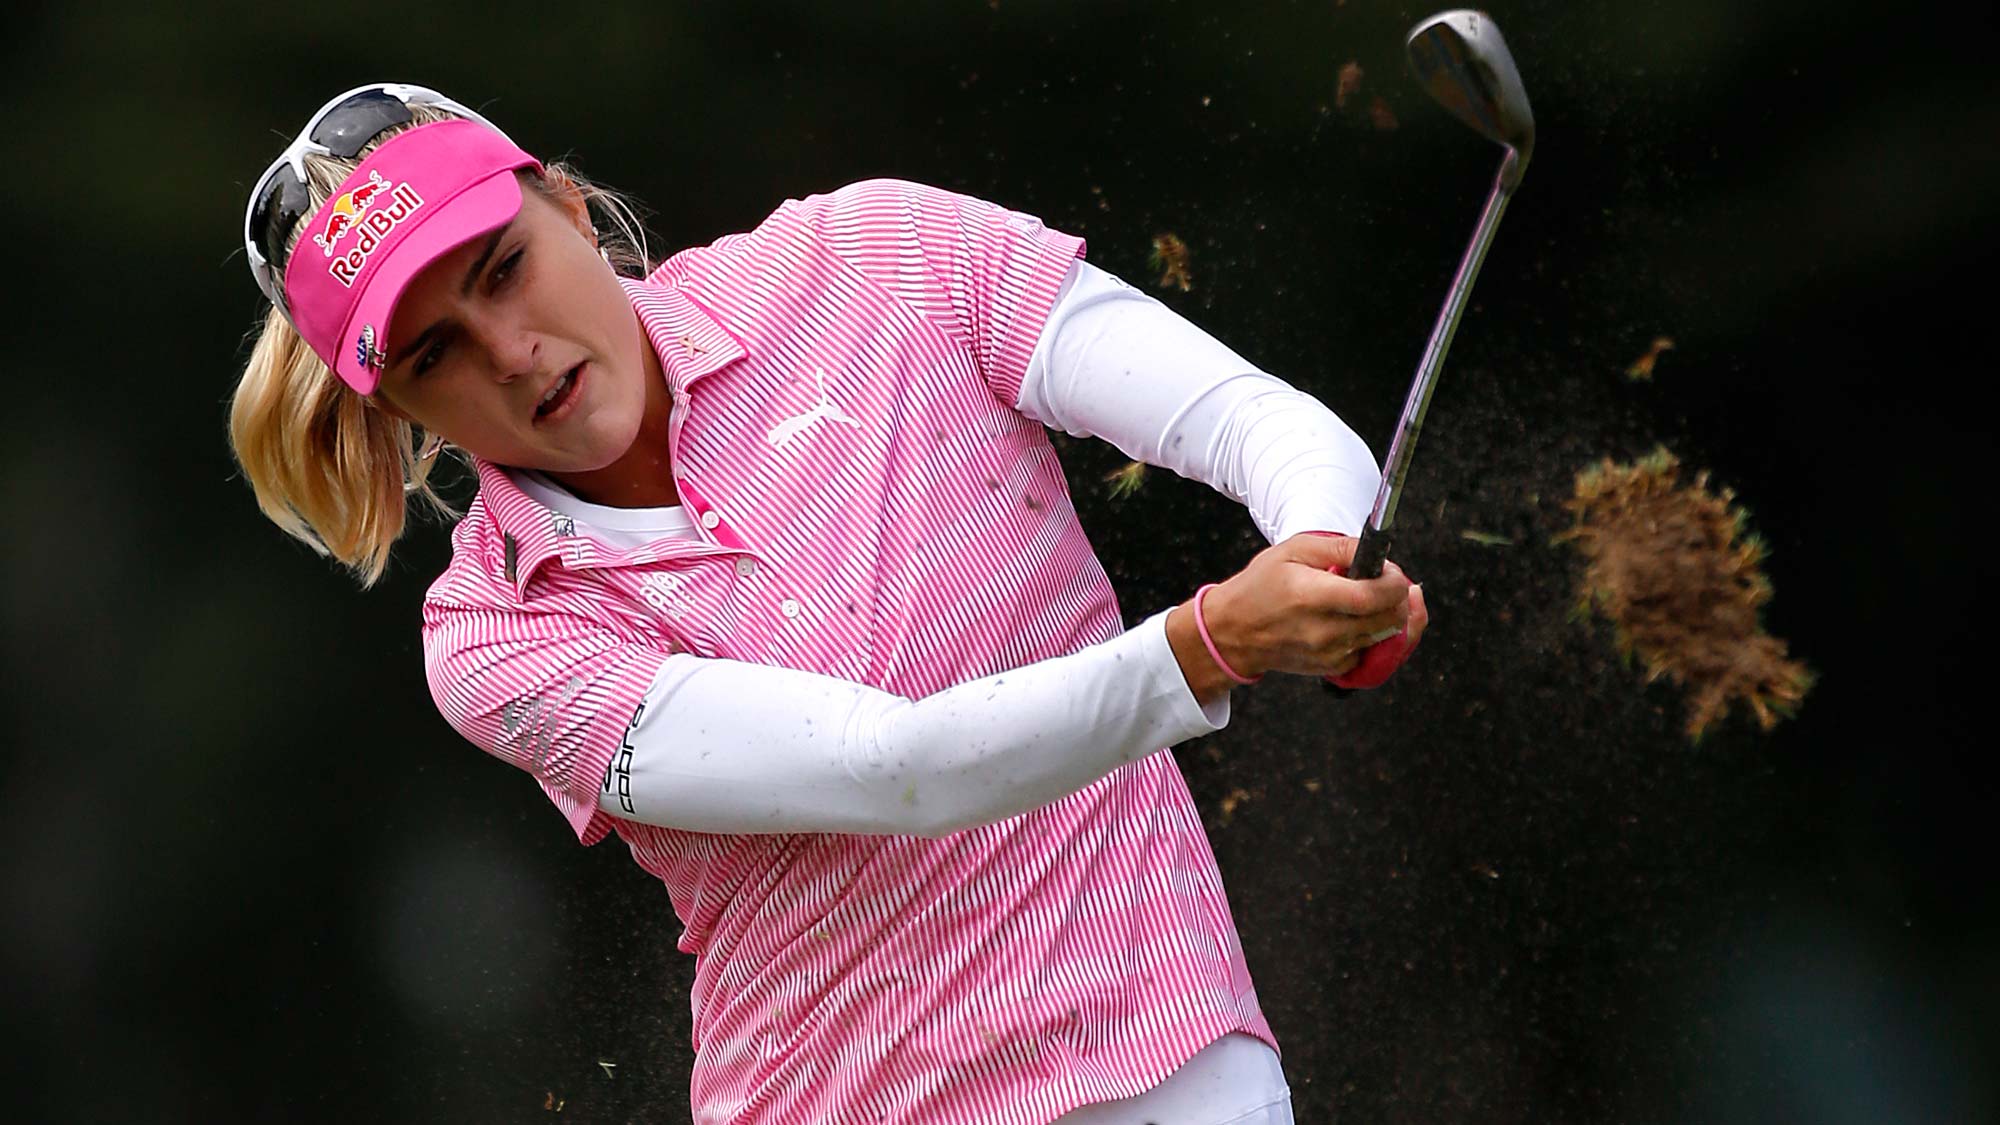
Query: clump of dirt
1127,480
1642,368
1170,257
1672,568
1349,84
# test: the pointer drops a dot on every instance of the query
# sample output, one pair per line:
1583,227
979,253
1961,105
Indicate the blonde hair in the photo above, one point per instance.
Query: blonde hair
329,467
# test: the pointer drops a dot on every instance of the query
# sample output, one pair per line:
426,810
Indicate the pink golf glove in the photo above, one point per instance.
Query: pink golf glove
1380,660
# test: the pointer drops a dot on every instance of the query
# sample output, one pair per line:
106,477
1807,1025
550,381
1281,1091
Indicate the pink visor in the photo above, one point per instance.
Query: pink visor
420,195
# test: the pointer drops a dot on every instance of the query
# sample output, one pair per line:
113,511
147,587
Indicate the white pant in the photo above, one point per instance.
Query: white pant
1235,1080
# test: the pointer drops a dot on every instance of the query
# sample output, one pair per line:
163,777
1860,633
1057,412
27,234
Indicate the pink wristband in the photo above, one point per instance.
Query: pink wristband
1201,626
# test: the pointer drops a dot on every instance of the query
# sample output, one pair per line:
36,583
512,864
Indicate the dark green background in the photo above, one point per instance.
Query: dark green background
251,875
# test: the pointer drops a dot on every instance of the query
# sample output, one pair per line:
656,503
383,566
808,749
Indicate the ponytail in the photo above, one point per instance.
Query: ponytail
327,466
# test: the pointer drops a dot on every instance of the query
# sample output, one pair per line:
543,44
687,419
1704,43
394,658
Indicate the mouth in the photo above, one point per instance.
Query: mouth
556,402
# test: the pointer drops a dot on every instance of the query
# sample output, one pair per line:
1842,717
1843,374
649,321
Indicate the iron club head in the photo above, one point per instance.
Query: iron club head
1461,59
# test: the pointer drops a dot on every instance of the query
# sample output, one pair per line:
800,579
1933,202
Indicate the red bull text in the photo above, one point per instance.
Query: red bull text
374,225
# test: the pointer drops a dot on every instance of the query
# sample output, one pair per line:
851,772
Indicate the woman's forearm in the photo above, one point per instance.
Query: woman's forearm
724,746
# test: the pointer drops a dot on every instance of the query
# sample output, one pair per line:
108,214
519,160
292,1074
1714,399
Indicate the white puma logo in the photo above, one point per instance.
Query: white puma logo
790,428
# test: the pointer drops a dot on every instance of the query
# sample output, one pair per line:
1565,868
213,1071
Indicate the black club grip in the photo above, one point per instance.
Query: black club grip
1369,554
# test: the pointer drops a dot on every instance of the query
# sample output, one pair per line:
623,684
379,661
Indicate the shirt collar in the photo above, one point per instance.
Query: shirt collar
530,534
689,339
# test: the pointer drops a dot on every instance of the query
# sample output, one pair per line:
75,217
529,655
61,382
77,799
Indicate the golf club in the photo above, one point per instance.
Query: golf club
1463,63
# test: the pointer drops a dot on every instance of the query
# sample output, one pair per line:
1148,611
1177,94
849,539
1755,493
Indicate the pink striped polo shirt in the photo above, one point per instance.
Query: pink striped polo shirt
873,508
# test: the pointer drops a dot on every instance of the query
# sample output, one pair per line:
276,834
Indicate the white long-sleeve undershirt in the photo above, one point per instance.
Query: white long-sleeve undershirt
732,747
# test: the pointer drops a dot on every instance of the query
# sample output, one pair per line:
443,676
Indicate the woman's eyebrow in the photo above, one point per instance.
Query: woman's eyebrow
479,263
464,289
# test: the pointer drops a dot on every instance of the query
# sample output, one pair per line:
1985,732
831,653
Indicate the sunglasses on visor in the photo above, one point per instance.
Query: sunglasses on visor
341,128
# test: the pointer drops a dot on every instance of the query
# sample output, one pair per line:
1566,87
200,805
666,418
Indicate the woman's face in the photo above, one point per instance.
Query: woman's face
485,334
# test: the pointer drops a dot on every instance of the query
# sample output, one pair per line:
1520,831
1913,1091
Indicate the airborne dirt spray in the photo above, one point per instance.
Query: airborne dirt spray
1682,582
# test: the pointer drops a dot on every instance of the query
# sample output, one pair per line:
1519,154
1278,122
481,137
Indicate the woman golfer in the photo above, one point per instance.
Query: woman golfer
773,573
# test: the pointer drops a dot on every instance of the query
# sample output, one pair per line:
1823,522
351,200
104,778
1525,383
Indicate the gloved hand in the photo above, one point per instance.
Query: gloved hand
1380,660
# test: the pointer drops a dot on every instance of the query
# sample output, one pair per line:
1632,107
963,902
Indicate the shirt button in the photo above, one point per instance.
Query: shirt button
746,567
710,518
790,608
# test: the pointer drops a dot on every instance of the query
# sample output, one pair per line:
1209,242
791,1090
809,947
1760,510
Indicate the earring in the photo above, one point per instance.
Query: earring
433,445
605,253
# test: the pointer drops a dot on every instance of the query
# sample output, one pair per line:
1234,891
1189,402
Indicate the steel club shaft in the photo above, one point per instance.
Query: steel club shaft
1466,67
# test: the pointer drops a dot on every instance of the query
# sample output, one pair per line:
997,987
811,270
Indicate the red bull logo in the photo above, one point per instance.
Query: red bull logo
345,210
388,205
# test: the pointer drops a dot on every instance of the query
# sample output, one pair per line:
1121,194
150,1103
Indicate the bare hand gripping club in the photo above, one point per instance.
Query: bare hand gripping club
1464,64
